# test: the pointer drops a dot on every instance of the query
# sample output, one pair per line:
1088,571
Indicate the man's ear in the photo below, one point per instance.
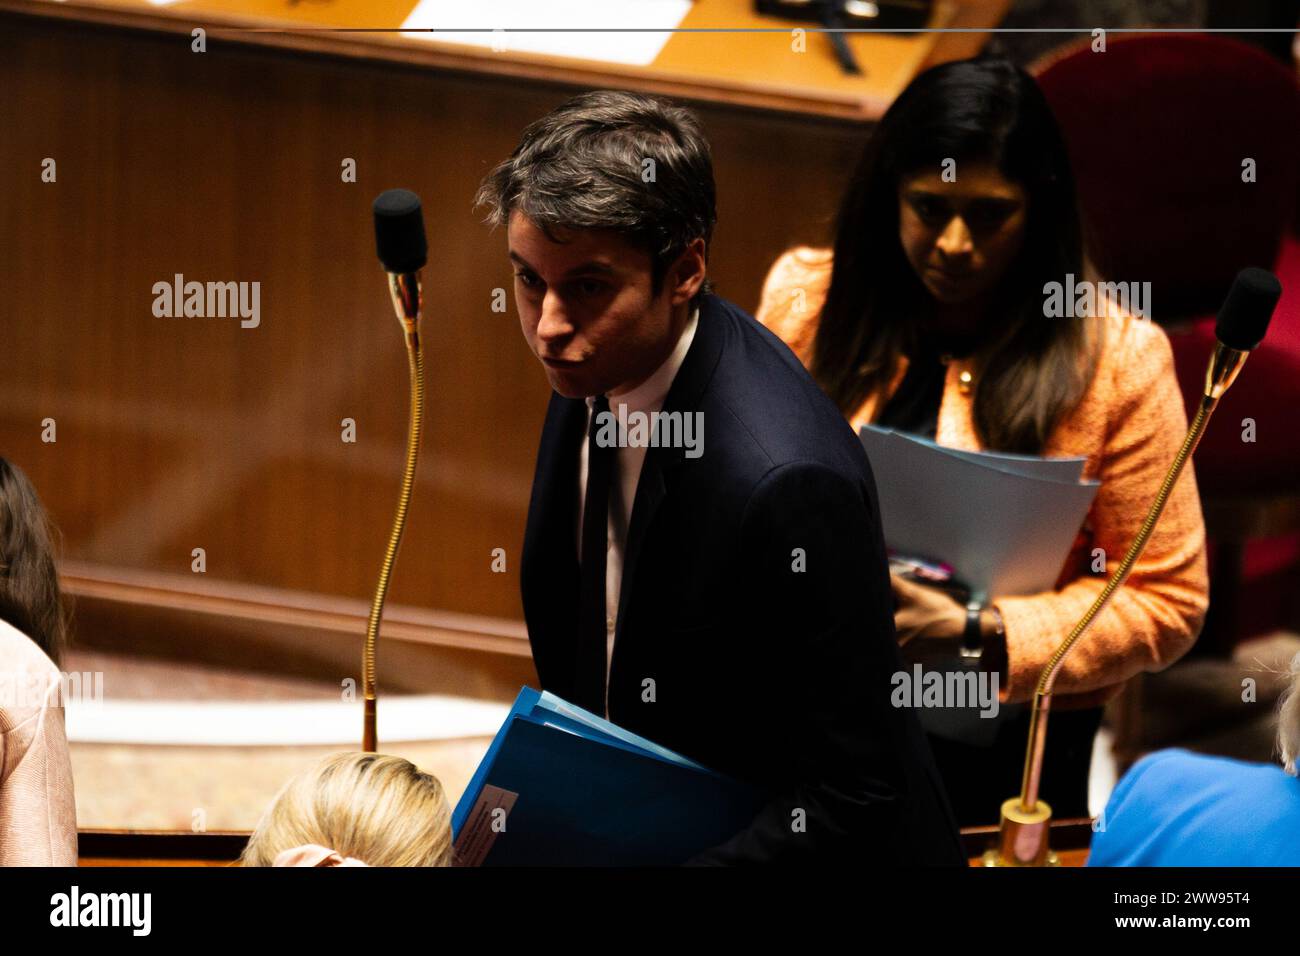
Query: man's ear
688,272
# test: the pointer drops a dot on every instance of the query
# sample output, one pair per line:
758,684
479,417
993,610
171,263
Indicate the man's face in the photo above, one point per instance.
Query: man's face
587,309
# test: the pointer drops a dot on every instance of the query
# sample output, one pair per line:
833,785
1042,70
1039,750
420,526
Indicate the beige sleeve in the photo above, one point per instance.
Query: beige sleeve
38,813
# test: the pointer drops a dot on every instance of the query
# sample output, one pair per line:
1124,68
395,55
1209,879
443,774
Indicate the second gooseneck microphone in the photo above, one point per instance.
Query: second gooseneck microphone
1243,319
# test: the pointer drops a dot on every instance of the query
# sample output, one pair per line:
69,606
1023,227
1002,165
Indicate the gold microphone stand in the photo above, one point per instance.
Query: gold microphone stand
405,291
1026,820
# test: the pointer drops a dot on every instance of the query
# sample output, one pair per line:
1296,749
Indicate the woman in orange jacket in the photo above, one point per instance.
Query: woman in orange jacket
930,315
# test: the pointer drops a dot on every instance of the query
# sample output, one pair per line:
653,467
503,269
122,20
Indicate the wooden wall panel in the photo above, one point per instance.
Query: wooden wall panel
177,433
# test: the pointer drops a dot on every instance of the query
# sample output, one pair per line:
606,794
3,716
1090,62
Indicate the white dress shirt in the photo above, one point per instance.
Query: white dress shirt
648,397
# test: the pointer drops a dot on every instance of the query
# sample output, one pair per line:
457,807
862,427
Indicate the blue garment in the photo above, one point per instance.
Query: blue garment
1177,808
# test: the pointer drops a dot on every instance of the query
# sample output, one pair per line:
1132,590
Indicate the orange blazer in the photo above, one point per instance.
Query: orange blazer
1129,425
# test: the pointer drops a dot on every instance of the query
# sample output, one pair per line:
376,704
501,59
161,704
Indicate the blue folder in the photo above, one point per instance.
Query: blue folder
560,786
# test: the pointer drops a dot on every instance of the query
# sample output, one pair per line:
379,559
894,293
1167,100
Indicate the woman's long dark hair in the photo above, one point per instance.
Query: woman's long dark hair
29,584
1032,369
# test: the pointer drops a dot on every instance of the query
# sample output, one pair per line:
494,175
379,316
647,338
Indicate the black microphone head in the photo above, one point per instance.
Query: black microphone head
1245,313
399,231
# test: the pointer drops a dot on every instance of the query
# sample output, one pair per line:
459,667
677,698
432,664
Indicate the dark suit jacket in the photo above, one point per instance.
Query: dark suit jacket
776,676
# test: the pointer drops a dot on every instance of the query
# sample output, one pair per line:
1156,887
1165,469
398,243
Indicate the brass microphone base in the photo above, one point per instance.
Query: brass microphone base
369,735
1022,837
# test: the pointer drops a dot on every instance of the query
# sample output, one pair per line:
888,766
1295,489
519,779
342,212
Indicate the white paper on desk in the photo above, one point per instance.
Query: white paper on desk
561,19
1004,532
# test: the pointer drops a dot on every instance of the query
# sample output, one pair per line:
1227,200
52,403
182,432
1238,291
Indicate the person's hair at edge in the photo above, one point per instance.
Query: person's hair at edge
1032,369
376,808
1288,721
584,166
30,599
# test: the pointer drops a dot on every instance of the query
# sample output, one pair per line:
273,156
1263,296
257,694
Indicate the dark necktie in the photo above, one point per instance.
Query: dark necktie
592,636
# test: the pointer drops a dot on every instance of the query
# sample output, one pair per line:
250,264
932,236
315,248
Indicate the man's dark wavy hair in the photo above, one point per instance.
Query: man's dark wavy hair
584,166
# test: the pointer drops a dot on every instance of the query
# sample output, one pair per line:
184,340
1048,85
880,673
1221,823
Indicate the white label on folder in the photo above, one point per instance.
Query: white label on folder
483,825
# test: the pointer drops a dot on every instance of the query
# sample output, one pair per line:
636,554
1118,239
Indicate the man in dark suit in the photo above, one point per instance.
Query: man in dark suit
703,561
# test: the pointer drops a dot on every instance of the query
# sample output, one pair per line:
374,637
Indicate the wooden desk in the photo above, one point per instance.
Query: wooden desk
748,69
1070,838
111,848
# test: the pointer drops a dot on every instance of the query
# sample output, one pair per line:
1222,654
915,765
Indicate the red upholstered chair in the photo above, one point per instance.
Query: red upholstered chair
1158,127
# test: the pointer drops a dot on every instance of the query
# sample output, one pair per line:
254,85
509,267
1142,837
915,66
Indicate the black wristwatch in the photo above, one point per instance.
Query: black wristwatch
972,639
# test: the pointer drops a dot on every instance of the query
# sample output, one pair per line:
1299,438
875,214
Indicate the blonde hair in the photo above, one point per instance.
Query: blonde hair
381,810
1288,720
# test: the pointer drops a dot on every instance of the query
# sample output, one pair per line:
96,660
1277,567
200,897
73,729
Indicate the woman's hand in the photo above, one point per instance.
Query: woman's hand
925,612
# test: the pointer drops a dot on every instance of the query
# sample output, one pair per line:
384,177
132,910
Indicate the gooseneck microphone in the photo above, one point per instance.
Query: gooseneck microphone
1242,321
400,242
